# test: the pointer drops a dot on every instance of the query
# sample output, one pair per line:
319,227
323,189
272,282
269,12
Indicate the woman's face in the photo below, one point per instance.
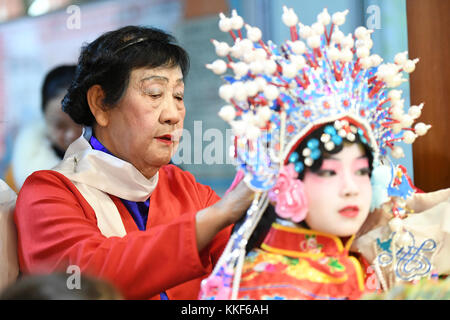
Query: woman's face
339,194
61,130
143,127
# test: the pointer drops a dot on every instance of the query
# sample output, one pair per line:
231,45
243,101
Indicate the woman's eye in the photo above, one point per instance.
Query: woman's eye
363,172
326,173
152,92
179,97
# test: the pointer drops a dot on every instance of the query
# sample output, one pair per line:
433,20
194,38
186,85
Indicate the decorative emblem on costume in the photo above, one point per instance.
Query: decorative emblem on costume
407,259
277,95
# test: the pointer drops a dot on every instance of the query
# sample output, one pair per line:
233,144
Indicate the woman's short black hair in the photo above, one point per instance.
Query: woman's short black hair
56,81
109,60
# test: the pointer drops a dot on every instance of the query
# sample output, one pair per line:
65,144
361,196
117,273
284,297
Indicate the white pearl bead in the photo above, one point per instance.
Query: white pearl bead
236,21
247,45
289,70
240,92
365,63
237,50
350,137
313,41
224,23
325,137
317,28
264,113
253,33
338,18
329,145
394,81
256,67
298,47
309,162
362,52
409,66
337,36
222,48
271,92
338,124
394,95
348,41
240,69
226,92
360,43
289,17
305,31
252,88
298,61
415,111
227,113
397,152
346,55
421,128
361,33
376,60
396,128
401,57
324,17
249,57
333,53
269,67
407,121
218,67
261,83
306,152
409,137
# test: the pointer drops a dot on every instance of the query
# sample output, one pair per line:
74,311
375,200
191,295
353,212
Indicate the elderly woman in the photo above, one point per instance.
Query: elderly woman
113,207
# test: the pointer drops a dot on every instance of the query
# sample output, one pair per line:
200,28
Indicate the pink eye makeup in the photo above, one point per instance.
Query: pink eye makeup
332,167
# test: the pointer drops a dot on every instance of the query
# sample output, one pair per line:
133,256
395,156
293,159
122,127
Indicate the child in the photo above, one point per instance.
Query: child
313,129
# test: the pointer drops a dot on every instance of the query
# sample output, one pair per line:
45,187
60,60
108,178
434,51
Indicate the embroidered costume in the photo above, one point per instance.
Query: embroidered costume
73,215
297,263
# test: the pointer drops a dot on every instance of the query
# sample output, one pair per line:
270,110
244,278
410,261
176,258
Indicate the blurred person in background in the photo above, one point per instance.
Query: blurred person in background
60,286
42,144
9,267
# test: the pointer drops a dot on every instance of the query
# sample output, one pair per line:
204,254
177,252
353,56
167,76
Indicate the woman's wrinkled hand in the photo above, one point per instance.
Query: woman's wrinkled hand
236,202
223,213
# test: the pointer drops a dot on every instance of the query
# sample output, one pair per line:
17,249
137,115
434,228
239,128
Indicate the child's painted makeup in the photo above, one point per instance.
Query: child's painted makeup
333,166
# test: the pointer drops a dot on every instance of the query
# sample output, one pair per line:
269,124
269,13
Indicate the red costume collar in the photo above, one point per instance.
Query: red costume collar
300,242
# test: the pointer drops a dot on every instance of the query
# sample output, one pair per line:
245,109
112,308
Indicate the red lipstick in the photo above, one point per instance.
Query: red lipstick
166,138
349,211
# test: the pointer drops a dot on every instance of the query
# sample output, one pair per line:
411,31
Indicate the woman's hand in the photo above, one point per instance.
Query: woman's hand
223,213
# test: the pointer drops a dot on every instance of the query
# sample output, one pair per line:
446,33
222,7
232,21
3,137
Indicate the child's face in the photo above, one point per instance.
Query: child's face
339,194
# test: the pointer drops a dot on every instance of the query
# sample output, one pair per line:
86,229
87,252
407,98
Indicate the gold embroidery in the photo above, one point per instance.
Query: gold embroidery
301,270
